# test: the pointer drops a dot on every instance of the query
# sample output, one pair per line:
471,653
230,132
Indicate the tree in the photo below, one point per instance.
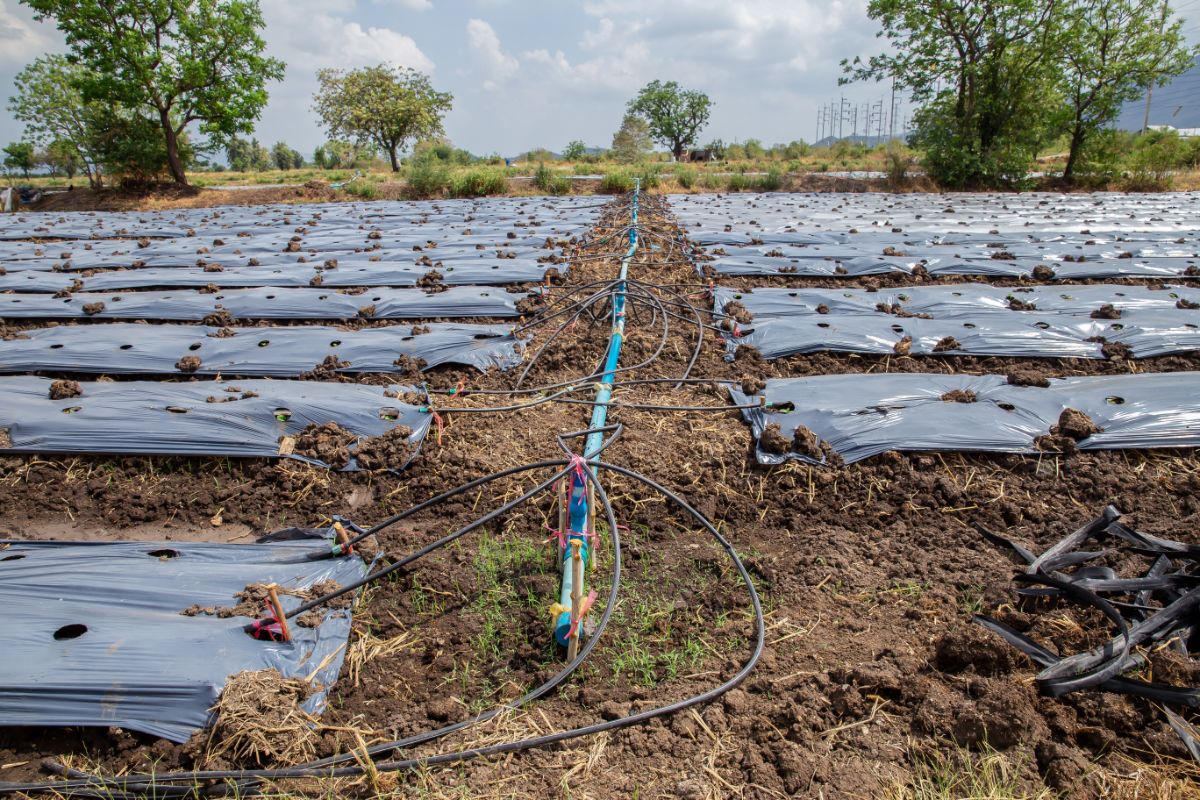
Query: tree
131,144
631,142
49,102
386,106
574,151
182,60
996,60
1113,50
19,156
286,158
62,156
675,115
239,153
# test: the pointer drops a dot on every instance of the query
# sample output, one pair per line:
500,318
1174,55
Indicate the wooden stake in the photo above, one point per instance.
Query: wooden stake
576,598
342,537
563,499
273,593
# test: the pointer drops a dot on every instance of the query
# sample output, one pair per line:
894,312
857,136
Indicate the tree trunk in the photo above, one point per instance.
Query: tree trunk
677,151
392,155
1073,156
173,161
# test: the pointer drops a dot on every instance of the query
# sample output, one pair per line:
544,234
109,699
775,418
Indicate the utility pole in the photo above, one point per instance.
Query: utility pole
892,112
1162,24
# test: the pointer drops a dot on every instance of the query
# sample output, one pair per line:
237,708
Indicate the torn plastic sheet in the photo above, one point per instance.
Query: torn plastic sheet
1159,595
978,317
346,274
1073,236
130,349
859,416
266,303
247,419
93,633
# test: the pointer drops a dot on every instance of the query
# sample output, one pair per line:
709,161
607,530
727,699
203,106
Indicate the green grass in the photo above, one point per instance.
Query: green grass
959,773
616,182
479,182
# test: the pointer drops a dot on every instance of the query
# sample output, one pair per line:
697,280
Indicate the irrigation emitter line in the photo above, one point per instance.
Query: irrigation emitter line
576,496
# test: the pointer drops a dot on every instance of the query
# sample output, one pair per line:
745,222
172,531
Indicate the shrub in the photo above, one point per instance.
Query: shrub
711,181
685,176
648,175
427,178
896,160
772,181
1155,154
738,182
362,189
478,183
543,177
618,182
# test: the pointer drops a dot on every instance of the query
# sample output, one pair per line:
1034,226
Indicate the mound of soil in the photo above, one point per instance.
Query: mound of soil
391,450
328,443
188,364
959,396
1028,376
1075,424
1106,311
327,370
738,312
947,343
62,390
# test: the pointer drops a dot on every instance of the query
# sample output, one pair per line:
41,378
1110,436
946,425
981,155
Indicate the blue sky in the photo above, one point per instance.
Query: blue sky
529,73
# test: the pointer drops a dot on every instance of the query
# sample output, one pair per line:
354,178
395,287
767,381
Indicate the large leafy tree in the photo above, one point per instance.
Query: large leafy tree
183,61
50,103
1113,50
383,106
983,69
674,115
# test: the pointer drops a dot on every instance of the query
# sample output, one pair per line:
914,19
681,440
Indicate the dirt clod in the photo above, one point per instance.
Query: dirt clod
1075,424
62,390
328,443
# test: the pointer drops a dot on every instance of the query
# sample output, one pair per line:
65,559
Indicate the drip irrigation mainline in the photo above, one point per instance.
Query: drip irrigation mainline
308,771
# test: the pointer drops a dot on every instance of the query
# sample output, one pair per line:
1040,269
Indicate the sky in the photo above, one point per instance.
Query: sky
541,73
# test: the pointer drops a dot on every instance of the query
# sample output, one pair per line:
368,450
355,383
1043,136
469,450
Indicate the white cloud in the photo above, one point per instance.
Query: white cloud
308,36
21,38
486,45
411,5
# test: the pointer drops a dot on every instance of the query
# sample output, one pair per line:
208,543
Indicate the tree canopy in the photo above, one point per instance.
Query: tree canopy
674,115
384,106
50,103
183,61
631,142
998,79
19,156
1112,51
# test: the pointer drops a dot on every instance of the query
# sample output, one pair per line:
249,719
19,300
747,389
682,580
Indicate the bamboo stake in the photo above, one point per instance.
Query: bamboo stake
576,598
272,592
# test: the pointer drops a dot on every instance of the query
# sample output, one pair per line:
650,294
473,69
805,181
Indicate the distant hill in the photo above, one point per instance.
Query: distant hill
1177,104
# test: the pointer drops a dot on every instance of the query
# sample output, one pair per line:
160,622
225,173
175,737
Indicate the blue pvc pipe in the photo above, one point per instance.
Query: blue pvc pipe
577,504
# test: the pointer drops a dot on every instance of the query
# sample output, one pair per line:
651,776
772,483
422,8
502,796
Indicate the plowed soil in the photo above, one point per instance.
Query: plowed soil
869,575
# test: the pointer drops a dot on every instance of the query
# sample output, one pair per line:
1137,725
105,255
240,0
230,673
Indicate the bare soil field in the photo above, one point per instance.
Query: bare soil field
873,676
